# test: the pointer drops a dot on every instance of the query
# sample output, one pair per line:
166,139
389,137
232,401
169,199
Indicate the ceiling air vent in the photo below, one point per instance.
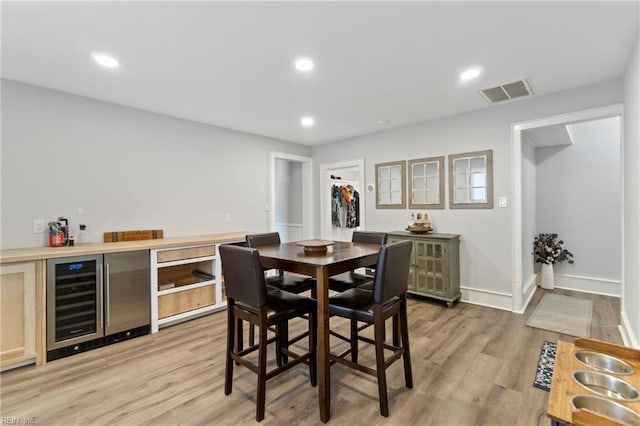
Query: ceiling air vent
514,90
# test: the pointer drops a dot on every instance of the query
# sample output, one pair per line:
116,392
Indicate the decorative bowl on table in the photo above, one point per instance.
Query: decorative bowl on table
315,246
420,228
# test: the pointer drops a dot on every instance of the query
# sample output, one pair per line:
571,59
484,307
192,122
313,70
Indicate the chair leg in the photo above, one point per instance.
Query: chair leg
378,324
284,339
279,343
239,336
313,344
354,340
262,368
406,356
252,334
231,343
395,324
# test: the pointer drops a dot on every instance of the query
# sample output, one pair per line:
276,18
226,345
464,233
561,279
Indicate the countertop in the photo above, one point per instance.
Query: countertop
41,253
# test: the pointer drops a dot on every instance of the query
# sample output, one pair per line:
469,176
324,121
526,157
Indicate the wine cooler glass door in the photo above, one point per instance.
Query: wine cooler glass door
74,300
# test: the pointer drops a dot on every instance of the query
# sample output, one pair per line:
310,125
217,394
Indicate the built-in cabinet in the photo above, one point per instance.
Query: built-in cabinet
435,265
185,282
18,315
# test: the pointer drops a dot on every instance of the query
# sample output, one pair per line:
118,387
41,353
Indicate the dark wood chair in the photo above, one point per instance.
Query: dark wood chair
287,281
387,299
348,280
249,300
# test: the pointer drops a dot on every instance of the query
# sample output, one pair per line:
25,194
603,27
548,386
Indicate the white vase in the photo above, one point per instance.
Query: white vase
546,276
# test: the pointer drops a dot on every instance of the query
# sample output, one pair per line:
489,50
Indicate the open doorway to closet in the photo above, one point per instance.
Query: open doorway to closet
290,197
567,180
342,199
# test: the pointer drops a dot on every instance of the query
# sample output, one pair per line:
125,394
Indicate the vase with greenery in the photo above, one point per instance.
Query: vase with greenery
548,250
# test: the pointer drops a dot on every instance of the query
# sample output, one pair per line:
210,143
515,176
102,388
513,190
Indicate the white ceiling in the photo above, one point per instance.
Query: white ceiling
230,64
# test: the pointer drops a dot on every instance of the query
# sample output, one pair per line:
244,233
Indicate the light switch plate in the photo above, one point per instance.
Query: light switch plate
38,226
502,202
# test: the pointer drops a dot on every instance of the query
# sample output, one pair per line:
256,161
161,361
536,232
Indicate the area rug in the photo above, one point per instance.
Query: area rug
563,314
546,362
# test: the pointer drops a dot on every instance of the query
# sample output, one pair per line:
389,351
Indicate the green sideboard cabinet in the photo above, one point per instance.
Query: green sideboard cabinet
435,265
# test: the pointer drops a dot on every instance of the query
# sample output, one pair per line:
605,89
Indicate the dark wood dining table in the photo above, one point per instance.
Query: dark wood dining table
340,257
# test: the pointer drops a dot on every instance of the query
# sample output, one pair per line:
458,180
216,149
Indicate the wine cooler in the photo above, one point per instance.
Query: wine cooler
96,300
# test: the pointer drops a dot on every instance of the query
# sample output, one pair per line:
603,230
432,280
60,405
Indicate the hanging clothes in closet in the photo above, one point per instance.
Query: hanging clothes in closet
345,206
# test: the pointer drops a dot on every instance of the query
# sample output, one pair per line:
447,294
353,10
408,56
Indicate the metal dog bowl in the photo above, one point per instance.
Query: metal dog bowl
607,407
606,385
602,362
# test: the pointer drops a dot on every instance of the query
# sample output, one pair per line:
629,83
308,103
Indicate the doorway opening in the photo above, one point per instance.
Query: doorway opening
337,219
524,202
290,196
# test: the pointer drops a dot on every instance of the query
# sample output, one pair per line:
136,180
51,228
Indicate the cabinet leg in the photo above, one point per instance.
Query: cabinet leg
449,304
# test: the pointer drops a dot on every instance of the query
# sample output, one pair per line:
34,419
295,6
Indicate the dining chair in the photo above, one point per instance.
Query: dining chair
249,300
287,281
387,299
351,279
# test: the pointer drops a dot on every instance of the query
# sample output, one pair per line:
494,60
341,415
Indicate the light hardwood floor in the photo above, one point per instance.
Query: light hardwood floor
472,365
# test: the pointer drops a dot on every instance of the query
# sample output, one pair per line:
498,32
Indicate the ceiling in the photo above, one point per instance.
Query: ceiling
230,64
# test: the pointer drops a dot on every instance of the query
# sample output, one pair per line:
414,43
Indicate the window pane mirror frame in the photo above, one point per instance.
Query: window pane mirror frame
391,185
470,176
426,185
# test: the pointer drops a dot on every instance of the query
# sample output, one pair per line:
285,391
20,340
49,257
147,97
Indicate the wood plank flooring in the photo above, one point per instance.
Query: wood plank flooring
472,365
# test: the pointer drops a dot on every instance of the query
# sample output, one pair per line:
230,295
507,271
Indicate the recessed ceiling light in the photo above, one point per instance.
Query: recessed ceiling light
470,74
307,121
304,64
383,122
105,60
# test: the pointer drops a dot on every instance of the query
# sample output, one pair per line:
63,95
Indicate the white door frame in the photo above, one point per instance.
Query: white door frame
307,191
324,202
518,304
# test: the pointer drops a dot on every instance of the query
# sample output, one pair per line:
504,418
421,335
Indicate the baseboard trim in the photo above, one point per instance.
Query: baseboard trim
600,286
527,294
626,331
488,298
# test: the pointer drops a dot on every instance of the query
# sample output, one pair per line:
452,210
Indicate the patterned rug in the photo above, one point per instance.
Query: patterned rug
544,371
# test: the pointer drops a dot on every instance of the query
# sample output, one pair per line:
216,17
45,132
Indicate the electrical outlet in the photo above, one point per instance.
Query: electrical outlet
227,218
38,226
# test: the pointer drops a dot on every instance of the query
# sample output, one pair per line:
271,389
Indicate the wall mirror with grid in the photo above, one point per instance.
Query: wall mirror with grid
426,183
390,183
471,180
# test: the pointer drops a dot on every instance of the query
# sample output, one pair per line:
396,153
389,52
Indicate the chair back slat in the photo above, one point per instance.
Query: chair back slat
260,240
243,275
369,237
392,271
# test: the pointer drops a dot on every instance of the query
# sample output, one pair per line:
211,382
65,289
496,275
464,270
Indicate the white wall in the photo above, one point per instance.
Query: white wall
528,213
631,194
126,168
486,252
578,198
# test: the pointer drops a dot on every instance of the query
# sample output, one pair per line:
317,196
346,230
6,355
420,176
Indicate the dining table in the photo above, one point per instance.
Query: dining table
340,257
